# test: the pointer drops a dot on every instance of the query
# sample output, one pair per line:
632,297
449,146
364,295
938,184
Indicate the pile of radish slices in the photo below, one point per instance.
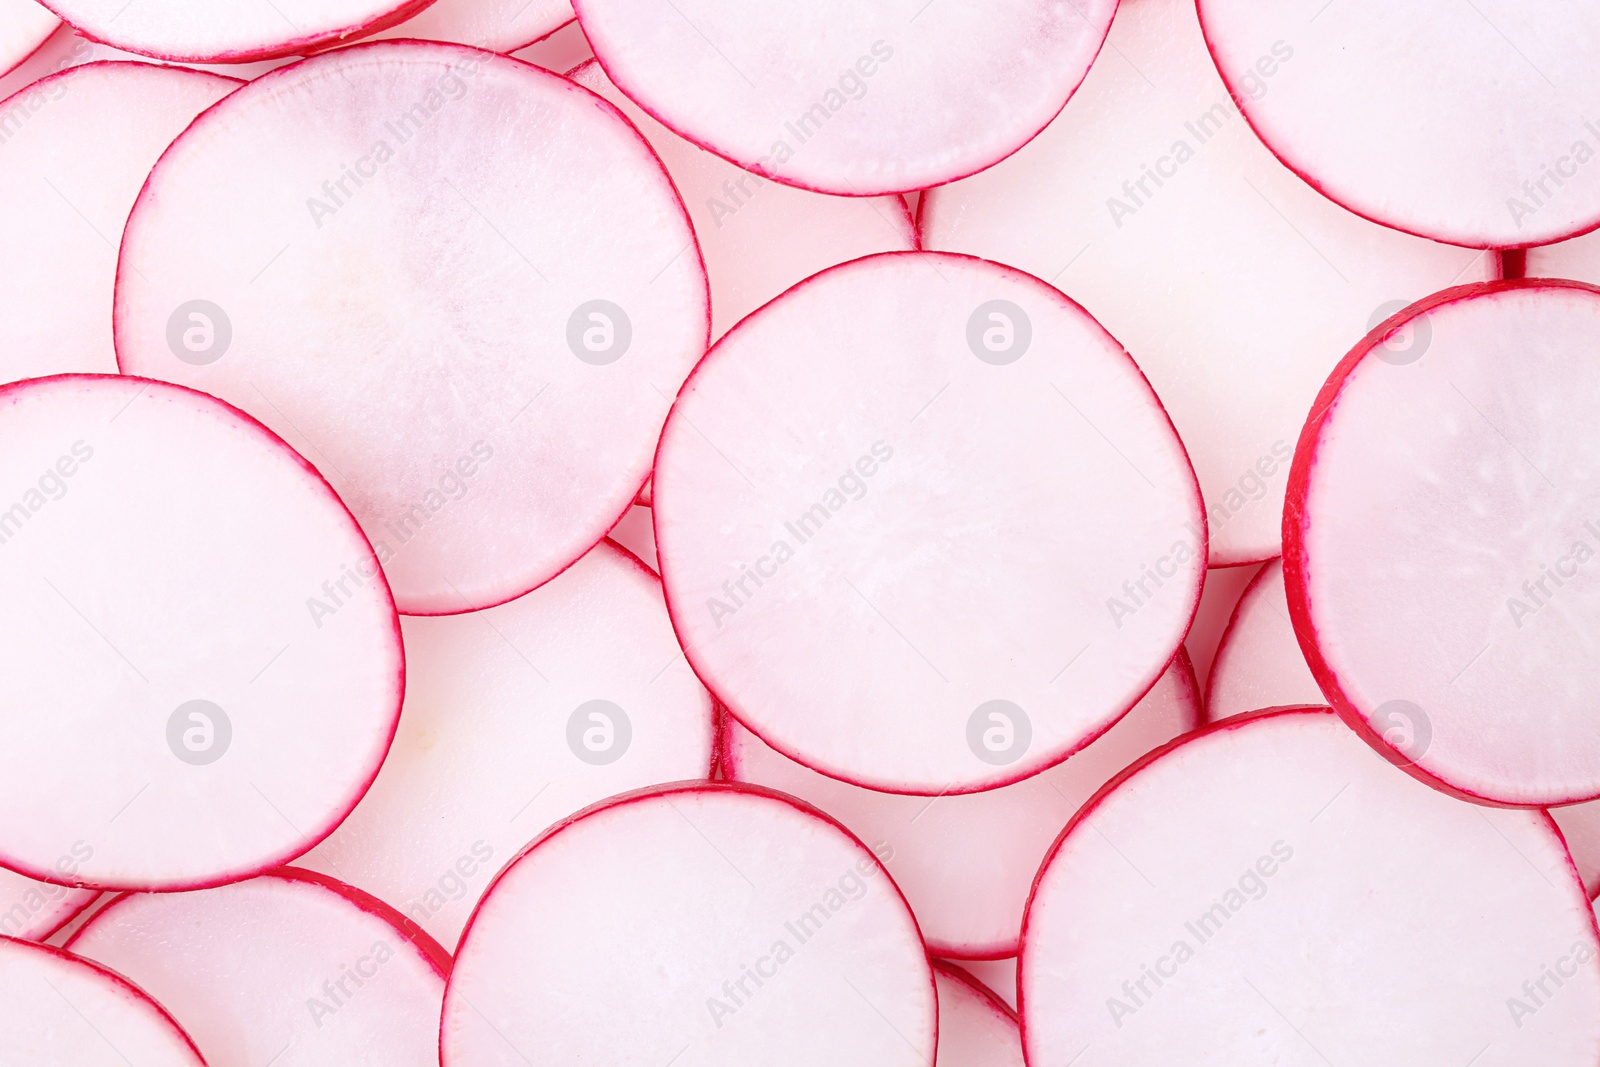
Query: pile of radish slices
861,533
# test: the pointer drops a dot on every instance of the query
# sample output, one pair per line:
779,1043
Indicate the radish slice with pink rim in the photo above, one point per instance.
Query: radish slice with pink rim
1268,891
856,99
1259,663
32,910
516,717
210,726
24,27
495,25
837,488
976,1029
519,298
1463,657
973,908
292,965
998,976
1578,258
733,925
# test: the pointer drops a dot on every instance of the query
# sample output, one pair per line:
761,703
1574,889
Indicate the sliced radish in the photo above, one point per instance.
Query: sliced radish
1578,258
68,178
291,964
1580,825
32,910
1234,286
517,717
1492,154
474,330
496,25
905,512
62,1011
1440,540
719,924
191,720
1259,663
637,533
976,1028
850,98
998,976
1268,892
1219,595
24,27
561,51
966,862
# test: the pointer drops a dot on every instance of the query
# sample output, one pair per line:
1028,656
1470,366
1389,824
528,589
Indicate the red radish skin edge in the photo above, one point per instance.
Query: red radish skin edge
50,78
62,925
527,44
7,70
951,970
1294,561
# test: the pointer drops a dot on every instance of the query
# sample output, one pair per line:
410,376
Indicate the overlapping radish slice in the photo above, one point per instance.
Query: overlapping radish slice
1440,540
1234,285
159,551
972,906
760,237
923,525
850,98
61,1011
516,717
68,178
1269,892
997,976
1493,154
715,923
462,286
291,968
497,25
1259,663
1578,258
32,910
976,1029
24,26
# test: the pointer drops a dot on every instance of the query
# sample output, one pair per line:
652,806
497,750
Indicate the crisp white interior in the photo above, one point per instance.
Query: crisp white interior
24,25
224,30
497,25
1259,663
973,1031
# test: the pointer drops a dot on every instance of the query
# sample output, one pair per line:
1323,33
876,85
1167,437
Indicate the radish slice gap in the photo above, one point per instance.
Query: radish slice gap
1259,663
24,27
976,1028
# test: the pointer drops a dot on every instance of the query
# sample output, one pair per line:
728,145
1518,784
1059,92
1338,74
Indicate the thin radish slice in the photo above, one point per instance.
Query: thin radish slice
68,178
1234,286
976,1028
159,550
1219,595
845,97
519,296
517,717
1440,536
24,27
1268,892
562,51
32,910
1580,825
717,923
1259,663
1492,155
998,976
923,525
291,965
62,1011
760,237
966,862
637,533
496,25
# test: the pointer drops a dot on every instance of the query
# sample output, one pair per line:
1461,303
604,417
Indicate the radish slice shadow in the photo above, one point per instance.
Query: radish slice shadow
976,1029
31,910
24,26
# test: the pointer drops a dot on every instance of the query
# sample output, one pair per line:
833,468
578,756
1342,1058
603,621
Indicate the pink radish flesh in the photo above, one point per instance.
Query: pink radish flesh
637,533
1219,595
1150,190
727,925
976,1029
1259,663
1578,258
1580,825
24,26
33,910
911,516
1268,892
972,906
519,296
850,98
495,25
998,976
159,552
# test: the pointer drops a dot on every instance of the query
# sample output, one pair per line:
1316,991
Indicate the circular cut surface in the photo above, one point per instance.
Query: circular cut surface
1259,663
975,1028
849,97
497,25
158,551
1268,892
462,286
840,482
24,26
33,910
1442,537
729,926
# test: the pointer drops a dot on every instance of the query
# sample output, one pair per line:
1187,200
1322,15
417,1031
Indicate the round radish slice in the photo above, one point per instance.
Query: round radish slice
1268,892
61,1010
24,26
159,550
1259,663
976,1029
497,25
966,862
33,910
1491,156
923,525
516,717
462,286
1149,183
850,98
68,178
1440,541
292,965
719,924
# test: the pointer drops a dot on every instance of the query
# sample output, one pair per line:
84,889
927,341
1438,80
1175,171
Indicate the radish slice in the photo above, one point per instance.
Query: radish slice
1267,892
519,296
1465,657
728,925
33,910
845,97
1490,156
1259,663
516,717
24,26
1151,183
976,1029
207,725
998,976
1578,258
904,513
1580,825
496,25
1219,595
288,961
62,1011
68,178
637,533
759,237
562,51
973,907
